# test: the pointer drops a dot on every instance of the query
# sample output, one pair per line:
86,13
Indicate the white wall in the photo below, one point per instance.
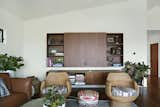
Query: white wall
153,36
153,16
122,17
13,28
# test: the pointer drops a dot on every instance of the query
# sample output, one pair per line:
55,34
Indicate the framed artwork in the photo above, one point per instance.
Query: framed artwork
1,35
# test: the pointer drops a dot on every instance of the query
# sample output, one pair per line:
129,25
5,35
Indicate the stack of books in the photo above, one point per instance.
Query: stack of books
72,78
80,79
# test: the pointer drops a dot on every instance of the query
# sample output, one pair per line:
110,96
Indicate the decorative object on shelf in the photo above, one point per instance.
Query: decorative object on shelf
117,65
113,50
119,51
72,78
80,79
49,62
58,61
53,99
1,35
137,71
110,39
10,63
116,39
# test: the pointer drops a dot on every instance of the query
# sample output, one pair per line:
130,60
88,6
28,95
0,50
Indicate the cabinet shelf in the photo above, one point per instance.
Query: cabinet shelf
56,45
121,44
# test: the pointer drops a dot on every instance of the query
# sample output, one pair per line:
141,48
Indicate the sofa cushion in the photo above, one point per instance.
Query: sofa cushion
3,89
123,91
14,100
6,78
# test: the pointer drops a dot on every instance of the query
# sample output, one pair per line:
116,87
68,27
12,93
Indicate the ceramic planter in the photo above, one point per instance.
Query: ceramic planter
63,105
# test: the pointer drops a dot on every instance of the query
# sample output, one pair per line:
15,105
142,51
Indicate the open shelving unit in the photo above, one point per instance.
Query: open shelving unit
55,50
114,42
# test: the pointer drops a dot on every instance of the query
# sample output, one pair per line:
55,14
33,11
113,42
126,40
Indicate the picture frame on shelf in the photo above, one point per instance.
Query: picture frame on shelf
110,39
1,35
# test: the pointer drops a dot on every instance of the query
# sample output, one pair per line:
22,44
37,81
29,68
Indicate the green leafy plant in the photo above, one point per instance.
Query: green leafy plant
136,70
53,99
10,62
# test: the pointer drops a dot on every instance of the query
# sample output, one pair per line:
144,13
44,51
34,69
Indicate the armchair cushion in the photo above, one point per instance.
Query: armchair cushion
123,91
3,89
57,88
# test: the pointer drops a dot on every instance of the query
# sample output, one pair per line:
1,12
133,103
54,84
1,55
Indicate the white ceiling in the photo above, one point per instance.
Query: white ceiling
28,9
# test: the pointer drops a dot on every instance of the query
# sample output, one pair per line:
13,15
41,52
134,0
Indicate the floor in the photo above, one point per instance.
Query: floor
149,96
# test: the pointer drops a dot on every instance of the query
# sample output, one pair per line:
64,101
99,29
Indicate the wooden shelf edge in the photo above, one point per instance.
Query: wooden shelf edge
86,68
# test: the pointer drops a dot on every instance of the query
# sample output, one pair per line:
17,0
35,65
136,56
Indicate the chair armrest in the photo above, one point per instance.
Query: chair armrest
23,85
69,87
108,88
43,85
136,87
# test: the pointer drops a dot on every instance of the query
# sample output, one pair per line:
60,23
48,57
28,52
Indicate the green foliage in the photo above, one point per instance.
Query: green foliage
10,62
53,98
136,70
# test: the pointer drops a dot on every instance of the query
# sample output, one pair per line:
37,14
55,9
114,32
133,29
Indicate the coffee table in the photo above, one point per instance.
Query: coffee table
69,103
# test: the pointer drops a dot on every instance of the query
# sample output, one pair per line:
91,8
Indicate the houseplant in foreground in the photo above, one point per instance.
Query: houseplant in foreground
137,71
11,63
53,99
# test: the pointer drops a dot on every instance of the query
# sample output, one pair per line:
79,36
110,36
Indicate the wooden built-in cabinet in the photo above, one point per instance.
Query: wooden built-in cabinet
85,49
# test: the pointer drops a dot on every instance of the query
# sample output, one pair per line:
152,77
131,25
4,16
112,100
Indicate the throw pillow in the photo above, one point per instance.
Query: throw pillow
123,91
3,89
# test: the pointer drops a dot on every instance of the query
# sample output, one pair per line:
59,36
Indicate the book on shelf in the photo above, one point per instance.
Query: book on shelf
59,54
80,83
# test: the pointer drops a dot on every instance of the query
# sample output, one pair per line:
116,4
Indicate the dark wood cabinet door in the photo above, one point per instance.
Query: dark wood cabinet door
154,60
72,53
85,49
97,78
93,49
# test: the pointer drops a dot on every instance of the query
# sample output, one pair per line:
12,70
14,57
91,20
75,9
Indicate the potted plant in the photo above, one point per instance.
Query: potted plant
53,99
10,63
137,71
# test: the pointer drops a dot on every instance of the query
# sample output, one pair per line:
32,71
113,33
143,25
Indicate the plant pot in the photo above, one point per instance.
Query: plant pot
139,81
63,105
10,72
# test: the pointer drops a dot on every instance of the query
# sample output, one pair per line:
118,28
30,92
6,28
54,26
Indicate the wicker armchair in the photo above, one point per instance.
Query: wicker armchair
121,80
57,78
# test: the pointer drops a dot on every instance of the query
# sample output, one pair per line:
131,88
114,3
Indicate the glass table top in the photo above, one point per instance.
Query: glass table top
69,103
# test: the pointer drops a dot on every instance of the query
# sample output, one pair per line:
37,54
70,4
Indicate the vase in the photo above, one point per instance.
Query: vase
10,72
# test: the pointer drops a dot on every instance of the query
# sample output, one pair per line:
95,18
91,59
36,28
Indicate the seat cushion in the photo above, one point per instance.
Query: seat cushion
3,89
61,89
14,100
6,78
123,91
